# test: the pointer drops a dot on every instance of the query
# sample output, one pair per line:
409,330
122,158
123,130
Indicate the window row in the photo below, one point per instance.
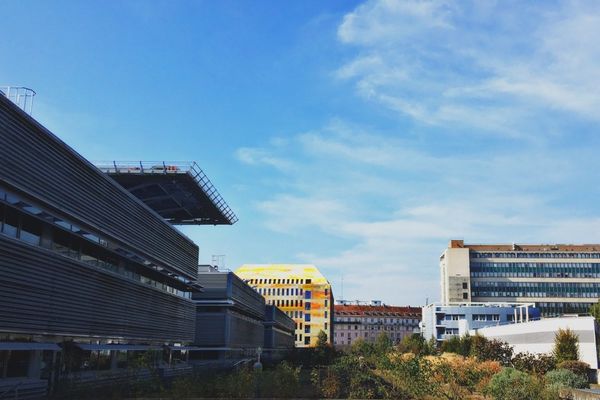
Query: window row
269,281
288,303
522,254
281,291
524,269
536,289
37,230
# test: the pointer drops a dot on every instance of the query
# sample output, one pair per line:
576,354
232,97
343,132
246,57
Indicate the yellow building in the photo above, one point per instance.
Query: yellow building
299,290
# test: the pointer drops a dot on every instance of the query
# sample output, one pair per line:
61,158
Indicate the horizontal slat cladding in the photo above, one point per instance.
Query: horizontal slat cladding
214,286
282,320
42,292
245,332
246,297
210,329
35,160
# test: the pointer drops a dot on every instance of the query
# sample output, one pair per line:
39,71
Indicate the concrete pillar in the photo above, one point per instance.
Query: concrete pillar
527,314
35,363
521,313
515,312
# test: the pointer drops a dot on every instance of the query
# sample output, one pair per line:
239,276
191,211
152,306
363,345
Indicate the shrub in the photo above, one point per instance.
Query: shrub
451,345
578,367
566,346
491,350
511,384
283,381
537,364
417,345
563,378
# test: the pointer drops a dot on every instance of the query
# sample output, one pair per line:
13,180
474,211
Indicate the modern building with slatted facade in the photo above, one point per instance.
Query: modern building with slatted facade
85,264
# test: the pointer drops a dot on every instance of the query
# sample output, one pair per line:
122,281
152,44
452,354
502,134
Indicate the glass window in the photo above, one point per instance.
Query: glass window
307,306
307,294
31,230
307,317
11,222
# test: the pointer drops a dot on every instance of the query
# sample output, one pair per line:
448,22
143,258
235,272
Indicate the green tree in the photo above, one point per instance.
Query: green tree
383,344
323,350
595,311
566,346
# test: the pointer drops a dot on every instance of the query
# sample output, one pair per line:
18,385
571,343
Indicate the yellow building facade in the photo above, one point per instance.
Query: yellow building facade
301,291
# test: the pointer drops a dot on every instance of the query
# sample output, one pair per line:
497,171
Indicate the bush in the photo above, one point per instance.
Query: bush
566,346
283,381
538,364
563,378
491,350
578,367
511,384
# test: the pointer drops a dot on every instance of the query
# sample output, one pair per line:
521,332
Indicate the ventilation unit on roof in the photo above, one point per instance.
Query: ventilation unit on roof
20,95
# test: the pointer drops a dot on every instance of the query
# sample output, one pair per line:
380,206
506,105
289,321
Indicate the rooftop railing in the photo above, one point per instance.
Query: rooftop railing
190,168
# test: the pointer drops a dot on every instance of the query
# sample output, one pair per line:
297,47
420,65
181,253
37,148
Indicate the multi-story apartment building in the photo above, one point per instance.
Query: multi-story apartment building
558,278
86,267
367,321
299,290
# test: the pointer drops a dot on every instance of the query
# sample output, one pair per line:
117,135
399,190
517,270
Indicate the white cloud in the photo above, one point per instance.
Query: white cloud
358,187
492,67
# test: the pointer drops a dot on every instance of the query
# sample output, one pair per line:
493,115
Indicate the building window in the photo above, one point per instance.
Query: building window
307,340
307,294
307,317
465,296
465,285
307,306
306,328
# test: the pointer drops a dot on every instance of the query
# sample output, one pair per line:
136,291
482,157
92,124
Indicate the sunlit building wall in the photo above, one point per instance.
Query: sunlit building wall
299,290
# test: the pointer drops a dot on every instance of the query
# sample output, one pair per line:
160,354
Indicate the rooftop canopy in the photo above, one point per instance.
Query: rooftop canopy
179,192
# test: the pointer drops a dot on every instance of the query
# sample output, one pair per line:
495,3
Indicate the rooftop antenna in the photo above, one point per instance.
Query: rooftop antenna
218,260
20,95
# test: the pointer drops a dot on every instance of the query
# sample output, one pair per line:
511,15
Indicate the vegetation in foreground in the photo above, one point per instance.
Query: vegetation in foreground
471,367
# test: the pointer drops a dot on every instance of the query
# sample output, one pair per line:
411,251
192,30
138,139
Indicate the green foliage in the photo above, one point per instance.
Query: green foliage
563,378
577,367
323,352
451,345
361,347
491,350
566,346
538,364
283,381
511,384
417,345
479,347
383,344
595,311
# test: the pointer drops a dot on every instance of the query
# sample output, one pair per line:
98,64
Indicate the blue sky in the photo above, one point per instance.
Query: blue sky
358,136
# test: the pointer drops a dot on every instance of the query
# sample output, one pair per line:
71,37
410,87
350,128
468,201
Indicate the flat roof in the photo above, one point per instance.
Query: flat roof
525,247
180,192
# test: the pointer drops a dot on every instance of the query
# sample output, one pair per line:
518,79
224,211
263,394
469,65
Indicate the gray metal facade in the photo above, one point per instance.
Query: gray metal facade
44,292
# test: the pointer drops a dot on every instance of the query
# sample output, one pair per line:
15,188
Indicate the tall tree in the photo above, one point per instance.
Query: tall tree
566,345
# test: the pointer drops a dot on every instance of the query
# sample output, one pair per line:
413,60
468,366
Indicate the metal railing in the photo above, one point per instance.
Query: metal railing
20,95
190,168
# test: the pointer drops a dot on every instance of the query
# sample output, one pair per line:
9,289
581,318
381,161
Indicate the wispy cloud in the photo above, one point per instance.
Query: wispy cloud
395,205
481,65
